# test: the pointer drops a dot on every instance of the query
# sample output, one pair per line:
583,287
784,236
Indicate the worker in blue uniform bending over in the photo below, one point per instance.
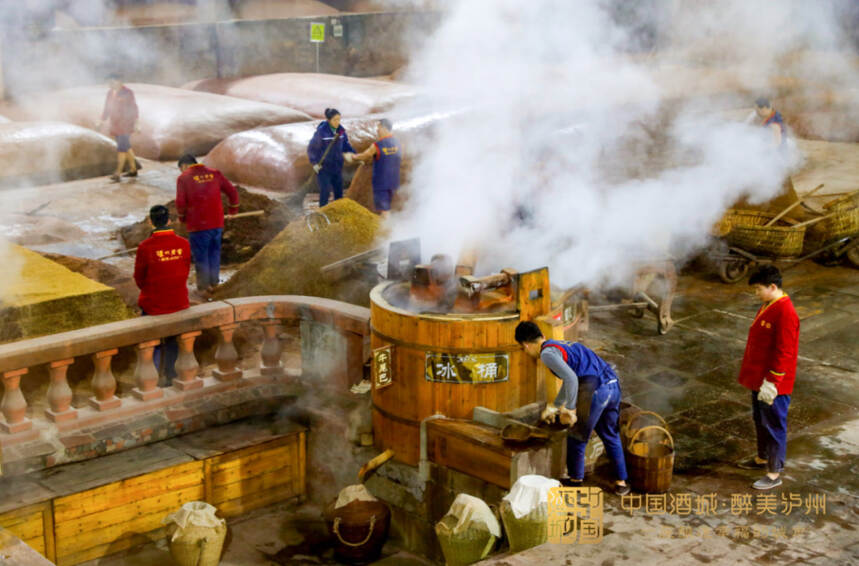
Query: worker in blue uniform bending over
771,120
326,151
589,400
387,155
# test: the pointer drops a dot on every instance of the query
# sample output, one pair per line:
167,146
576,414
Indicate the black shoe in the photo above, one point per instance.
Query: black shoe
621,490
569,482
114,178
130,174
751,464
767,482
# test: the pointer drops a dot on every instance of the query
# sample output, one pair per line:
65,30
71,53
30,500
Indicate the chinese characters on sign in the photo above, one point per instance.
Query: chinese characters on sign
763,504
467,368
575,515
382,367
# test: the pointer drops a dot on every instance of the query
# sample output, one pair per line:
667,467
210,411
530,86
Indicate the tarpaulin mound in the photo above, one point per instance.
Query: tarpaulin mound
313,92
49,152
276,157
46,298
272,9
173,121
242,238
291,263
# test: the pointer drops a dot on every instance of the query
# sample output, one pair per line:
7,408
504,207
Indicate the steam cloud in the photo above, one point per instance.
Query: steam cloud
577,150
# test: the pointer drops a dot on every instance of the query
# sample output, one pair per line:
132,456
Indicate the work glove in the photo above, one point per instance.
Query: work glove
567,417
349,156
549,413
768,392
317,167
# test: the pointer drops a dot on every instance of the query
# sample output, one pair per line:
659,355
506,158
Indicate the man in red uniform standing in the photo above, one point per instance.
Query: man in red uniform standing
120,111
769,371
198,202
161,272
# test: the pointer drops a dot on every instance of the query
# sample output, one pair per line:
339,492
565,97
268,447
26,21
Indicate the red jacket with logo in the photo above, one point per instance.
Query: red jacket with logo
161,271
772,348
198,198
120,108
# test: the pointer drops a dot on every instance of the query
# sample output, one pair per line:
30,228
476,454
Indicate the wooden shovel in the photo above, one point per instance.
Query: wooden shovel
814,220
794,205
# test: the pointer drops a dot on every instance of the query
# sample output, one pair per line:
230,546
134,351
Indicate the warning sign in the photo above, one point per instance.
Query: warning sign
317,32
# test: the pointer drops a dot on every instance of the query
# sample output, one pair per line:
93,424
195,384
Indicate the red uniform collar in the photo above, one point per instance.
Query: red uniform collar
162,232
770,117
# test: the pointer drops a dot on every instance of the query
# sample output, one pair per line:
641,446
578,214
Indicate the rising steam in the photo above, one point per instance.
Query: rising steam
586,141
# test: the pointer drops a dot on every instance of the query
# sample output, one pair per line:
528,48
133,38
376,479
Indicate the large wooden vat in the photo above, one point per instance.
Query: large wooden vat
445,364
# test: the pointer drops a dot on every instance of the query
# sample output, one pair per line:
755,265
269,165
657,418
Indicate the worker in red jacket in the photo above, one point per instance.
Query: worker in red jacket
161,272
198,202
769,371
120,111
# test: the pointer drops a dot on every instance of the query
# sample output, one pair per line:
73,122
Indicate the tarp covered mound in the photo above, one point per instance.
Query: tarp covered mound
291,263
39,296
313,92
50,152
276,157
242,238
173,121
270,9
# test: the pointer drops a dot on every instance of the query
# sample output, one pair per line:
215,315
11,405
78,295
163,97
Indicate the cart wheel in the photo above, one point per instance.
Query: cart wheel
732,270
853,256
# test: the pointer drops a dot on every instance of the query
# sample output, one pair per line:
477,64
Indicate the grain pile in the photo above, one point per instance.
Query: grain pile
42,297
243,237
291,263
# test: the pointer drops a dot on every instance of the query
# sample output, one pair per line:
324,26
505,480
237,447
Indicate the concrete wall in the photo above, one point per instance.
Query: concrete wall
370,44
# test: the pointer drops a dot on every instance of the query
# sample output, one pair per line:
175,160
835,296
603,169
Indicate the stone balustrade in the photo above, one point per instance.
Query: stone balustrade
101,344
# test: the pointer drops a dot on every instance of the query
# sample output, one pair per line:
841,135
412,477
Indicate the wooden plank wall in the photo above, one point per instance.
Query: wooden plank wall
102,521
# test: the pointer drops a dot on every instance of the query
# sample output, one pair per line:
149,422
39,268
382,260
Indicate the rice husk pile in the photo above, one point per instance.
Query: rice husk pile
102,272
291,263
242,238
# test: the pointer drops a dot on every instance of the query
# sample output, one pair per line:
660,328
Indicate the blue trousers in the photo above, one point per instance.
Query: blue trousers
600,414
771,429
169,350
206,251
329,181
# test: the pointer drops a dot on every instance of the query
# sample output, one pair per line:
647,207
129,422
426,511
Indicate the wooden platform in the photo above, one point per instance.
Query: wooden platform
91,509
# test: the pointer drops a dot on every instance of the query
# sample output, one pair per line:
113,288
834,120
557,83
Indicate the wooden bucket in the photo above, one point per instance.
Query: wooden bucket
629,426
650,463
360,529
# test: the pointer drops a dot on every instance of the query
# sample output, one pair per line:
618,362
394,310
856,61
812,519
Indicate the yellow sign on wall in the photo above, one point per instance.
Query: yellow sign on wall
467,368
317,32
383,374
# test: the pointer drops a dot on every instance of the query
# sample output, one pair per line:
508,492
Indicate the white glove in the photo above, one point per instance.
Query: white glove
549,413
567,417
317,167
768,392
350,157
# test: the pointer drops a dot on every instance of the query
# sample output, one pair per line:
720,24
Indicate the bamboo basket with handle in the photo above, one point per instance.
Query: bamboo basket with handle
628,428
650,463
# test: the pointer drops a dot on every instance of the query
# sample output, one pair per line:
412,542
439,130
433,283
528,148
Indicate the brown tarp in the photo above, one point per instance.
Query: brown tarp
313,92
173,121
50,152
268,9
276,158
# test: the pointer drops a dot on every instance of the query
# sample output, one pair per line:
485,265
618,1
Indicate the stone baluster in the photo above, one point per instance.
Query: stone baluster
187,368
272,349
14,406
59,393
103,382
145,372
226,355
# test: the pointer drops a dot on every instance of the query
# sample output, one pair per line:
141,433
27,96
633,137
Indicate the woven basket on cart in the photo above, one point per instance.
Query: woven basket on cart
650,462
842,223
739,217
749,233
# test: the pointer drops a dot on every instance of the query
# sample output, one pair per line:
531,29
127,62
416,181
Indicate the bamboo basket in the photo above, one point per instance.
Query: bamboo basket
525,532
843,223
774,241
198,546
651,462
469,546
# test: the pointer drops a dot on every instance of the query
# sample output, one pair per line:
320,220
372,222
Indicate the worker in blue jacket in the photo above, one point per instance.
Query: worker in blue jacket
589,400
327,150
387,156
